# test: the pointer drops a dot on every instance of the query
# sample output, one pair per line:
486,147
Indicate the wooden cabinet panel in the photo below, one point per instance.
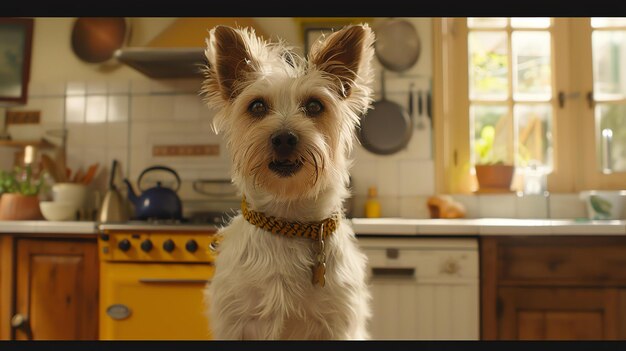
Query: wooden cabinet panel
57,289
585,260
553,287
6,285
558,314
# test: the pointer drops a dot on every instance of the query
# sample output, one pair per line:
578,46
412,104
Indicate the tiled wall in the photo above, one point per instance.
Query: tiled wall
123,120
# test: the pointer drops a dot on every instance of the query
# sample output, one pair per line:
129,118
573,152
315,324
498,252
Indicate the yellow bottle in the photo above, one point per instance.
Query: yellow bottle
372,206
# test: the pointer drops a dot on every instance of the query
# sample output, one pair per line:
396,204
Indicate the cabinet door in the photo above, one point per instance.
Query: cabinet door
57,289
527,313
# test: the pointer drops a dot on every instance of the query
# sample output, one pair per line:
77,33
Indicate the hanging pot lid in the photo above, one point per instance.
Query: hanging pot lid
397,44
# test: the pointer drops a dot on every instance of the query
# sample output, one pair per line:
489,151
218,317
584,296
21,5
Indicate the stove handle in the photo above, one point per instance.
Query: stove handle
172,281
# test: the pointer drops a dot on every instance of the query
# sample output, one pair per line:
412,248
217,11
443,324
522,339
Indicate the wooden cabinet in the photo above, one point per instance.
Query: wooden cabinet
54,289
553,288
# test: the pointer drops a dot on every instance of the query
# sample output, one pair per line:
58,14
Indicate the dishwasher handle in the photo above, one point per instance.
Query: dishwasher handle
172,281
395,272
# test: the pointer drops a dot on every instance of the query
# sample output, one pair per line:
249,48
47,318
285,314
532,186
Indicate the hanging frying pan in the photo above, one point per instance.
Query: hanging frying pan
386,128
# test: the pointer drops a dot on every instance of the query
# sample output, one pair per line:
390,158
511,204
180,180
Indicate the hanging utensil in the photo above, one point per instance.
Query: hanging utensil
397,44
418,118
429,110
386,128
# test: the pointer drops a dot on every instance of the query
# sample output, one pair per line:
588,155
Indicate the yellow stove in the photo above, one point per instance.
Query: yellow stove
152,279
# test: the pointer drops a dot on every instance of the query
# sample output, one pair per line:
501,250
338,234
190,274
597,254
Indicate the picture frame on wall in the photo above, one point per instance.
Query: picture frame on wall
312,28
311,34
16,37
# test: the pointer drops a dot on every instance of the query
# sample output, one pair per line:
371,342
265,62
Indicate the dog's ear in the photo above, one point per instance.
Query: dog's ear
230,60
346,55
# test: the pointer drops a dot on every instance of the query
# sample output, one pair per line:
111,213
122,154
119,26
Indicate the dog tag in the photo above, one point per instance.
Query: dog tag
319,274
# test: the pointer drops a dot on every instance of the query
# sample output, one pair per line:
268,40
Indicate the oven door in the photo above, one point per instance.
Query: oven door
154,301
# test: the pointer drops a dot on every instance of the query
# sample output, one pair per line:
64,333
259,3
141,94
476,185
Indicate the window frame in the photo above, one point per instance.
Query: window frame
573,123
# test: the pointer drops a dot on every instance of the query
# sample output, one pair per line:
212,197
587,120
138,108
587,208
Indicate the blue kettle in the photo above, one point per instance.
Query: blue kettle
158,202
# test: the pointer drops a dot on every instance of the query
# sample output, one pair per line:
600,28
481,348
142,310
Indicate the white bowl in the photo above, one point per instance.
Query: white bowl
604,204
58,210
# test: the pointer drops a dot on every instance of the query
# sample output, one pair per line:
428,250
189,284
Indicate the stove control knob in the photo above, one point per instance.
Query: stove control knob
124,245
146,245
169,245
191,246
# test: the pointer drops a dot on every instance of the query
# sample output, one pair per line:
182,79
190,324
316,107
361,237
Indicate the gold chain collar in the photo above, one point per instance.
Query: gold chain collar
289,229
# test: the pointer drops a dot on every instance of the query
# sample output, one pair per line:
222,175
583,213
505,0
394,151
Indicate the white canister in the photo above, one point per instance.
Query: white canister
73,193
604,204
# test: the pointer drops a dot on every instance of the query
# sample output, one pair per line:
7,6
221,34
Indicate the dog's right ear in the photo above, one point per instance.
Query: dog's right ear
230,60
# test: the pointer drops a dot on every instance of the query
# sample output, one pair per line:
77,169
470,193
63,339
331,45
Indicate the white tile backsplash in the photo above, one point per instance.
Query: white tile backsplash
186,107
388,178
532,206
76,88
75,109
96,88
564,206
123,120
95,135
139,108
161,108
471,204
118,108
498,206
53,110
96,109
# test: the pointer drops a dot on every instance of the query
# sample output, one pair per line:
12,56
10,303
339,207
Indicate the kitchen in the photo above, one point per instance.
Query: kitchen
450,257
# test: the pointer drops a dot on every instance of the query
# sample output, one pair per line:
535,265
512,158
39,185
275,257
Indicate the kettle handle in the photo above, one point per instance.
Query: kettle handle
160,168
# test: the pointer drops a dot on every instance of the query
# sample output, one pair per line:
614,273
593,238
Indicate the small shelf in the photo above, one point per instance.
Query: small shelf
40,144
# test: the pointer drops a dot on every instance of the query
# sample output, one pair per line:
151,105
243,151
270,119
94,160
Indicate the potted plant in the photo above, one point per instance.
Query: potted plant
19,194
492,172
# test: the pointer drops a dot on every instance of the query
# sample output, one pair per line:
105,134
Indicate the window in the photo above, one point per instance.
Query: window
538,93
608,39
510,91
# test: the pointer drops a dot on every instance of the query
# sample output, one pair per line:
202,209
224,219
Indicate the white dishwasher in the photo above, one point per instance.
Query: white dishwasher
423,288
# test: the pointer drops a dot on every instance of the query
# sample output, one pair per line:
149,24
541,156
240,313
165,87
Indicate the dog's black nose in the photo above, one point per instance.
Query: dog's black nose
284,143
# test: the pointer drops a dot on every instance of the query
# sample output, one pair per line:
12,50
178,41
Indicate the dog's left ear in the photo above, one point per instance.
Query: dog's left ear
346,55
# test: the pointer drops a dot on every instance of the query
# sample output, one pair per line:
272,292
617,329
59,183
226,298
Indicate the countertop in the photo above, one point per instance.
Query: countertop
363,227
486,226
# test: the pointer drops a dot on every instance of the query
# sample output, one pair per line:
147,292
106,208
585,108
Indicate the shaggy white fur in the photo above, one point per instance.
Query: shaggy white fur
262,287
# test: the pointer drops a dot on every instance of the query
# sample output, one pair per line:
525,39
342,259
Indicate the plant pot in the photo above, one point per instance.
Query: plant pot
494,177
16,207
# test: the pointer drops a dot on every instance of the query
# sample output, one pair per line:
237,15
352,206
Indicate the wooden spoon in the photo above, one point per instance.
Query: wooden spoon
61,166
91,172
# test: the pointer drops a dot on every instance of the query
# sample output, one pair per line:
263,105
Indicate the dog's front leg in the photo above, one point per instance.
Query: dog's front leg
263,329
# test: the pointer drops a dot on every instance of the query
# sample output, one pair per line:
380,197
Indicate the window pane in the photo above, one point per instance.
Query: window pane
486,22
490,134
531,65
488,68
534,135
530,22
609,64
611,136
599,22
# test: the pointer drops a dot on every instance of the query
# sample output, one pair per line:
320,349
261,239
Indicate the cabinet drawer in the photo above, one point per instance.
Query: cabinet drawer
563,260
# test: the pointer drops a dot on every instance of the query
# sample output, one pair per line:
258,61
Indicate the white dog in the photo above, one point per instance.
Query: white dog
289,266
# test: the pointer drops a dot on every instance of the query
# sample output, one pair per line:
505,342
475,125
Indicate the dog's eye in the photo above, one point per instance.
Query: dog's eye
313,108
258,108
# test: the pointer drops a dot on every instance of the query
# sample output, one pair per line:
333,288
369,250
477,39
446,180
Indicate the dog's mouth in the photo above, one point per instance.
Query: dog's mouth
285,168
